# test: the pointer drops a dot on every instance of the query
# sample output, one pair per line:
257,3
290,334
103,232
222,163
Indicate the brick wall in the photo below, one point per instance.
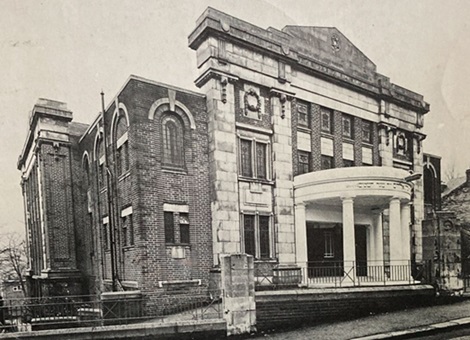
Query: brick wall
291,308
148,186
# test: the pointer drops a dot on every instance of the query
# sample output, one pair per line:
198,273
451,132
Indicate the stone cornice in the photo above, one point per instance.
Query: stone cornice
276,44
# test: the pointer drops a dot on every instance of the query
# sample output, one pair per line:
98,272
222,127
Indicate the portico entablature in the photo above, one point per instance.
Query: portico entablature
369,186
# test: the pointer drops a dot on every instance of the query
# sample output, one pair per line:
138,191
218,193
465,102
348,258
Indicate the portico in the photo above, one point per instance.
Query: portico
340,219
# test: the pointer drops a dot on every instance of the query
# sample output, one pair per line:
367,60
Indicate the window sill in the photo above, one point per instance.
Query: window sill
326,134
262,181
348,140
304,128
187,245
268,260
368,144
172,170
128,248
124,175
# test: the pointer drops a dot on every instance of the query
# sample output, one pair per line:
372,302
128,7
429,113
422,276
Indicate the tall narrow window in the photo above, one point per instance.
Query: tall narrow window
261,161
326,120
302,110
122,148
303,162
246,159
169,227
100,164
347,126
127,230
173,145
184,228
264,243
105,234
366,131
249,234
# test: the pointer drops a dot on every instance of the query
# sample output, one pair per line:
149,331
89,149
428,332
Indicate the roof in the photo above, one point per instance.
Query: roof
453,184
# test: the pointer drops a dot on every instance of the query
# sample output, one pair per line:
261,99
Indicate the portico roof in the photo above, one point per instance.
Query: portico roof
371,187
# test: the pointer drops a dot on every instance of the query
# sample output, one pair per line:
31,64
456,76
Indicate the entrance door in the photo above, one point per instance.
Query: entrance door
324,249
360,236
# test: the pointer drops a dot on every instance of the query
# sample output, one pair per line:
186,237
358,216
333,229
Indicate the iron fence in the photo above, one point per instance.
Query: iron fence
340,273
80,311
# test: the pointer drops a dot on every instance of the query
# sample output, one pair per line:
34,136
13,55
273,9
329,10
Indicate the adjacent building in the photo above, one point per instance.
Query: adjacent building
296,151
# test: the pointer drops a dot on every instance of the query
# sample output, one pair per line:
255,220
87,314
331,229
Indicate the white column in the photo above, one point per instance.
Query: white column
405,232
378,265
301,240
349,243
379,240
370,241
395,232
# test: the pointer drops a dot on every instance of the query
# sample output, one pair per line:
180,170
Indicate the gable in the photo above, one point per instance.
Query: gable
327,45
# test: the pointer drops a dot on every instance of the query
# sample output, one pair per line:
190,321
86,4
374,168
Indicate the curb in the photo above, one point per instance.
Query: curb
408,333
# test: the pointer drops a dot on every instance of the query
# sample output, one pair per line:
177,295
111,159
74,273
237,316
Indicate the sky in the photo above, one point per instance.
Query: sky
71,50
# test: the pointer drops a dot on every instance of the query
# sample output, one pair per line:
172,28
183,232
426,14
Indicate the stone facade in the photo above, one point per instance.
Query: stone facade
172,181
281,84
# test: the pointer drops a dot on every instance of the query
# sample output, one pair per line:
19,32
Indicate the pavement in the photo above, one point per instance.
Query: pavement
403,324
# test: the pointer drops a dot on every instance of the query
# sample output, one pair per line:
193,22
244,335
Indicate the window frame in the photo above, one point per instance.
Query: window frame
256,216
255,140
303,123
330,158
127,230
121,141
174,236
368,129
301,165
324,111
177,147
347,134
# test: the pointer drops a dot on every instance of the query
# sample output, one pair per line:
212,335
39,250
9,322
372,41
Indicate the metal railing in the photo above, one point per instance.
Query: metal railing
340,274
80,311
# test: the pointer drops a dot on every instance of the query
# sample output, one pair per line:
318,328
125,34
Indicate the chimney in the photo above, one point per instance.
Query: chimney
467,172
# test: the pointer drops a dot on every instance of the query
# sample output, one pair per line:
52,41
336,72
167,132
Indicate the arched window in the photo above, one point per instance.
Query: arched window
86,172
100,162
173,141
122,145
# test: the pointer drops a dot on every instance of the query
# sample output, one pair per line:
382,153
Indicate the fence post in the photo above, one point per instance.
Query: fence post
238,285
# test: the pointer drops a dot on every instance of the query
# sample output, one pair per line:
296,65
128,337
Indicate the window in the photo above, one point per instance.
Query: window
366,131
127,228
169,227
347,163
302,110
122,148
257,235
182,223
326,120
253,159
347,126
184,228
327,162
329,245
348,154
100,164
303,162
173,146
105,233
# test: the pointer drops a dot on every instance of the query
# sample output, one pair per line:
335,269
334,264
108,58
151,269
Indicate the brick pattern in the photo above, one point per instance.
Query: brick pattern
147,186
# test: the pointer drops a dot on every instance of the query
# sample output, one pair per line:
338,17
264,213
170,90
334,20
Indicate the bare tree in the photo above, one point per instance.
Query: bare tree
451,172
13,258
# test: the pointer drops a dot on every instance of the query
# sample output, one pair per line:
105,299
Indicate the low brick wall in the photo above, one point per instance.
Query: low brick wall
213,329
281,309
